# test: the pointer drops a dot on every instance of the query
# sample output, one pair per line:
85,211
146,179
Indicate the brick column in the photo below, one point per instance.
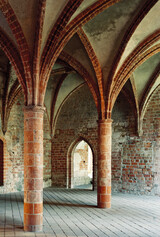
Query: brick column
33,168
104,164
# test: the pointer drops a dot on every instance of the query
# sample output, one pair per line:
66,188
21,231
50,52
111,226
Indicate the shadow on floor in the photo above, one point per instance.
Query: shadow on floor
8,223
69,204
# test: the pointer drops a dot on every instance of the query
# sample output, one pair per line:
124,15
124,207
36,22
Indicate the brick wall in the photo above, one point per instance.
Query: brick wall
13,150
47,153
151,138
122,128
77,120
135,160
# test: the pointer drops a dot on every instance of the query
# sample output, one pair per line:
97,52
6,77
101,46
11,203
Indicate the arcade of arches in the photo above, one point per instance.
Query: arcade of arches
77,74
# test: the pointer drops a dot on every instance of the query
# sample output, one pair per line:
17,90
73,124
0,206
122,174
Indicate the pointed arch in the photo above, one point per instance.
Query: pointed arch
128,34
70,157
24,53
53,50
144,108
83,73
14,57
96,65
151,82
128,67
57,29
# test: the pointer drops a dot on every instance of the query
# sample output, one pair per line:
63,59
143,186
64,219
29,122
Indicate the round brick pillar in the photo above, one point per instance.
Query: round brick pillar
104,164
33,168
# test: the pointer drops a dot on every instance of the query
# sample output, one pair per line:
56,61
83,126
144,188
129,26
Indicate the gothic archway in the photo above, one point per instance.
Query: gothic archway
80,165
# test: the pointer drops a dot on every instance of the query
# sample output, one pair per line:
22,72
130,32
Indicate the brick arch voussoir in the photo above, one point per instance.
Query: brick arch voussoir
96,65
12,54
66,34
144,108
83,72
37,46
60,24
15,26
147,99
85,75
141,48
78,139
14,98
129,70
127,36
17,31
134,92
152,80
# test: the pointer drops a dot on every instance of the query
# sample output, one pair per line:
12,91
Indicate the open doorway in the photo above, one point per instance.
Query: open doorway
82,176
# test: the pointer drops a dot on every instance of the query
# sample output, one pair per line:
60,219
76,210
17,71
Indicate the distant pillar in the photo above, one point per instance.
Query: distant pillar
104,164
33,168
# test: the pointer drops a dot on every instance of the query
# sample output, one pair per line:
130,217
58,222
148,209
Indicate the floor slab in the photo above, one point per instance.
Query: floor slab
69,213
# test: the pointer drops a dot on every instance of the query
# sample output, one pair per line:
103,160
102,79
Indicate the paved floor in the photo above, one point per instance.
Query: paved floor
74,213
85,186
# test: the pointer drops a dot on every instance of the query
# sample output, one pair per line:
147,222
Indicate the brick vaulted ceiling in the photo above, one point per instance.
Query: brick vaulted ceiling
112,45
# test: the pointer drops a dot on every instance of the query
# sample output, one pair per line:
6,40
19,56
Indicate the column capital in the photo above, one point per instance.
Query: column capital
104,121
34,108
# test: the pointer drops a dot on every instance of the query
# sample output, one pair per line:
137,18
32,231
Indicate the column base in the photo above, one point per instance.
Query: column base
33,223
33,228
104,205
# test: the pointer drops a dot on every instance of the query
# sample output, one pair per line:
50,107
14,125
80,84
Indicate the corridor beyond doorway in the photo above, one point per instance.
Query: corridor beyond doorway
82,166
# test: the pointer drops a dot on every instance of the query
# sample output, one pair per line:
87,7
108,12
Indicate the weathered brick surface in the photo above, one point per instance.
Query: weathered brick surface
33,170
104,163
151,136
135,160
13,153
123,127
13,142
47,152
77,119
